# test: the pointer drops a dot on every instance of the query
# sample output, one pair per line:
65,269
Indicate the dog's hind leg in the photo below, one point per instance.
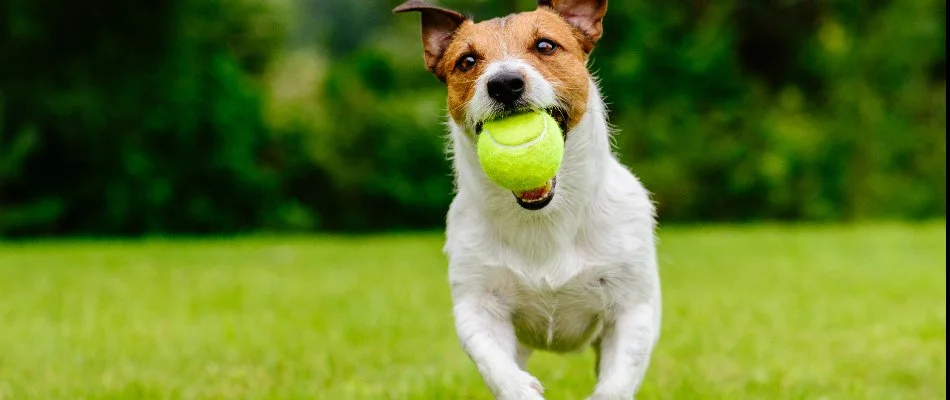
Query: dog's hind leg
524,353
596,346
625,350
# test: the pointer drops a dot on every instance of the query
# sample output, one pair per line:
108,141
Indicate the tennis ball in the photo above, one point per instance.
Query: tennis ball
521,152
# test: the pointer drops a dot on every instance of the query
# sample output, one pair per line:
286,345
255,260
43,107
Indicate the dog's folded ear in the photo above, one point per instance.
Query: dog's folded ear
438,25
585,15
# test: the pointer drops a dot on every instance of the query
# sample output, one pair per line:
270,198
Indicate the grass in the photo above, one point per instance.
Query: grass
759,312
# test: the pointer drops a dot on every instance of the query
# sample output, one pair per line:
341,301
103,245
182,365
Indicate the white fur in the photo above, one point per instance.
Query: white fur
539,93
582,268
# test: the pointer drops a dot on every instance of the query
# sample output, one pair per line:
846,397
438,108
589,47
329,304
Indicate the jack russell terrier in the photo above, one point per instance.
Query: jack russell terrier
557,269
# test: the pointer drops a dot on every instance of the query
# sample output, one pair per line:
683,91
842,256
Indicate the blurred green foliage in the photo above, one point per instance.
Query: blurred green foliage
198,116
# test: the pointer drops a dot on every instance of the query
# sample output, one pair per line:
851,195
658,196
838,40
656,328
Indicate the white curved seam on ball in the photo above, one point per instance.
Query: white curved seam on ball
525,144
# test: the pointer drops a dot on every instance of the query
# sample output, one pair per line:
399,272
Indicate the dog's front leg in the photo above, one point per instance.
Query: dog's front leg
488,337
624,352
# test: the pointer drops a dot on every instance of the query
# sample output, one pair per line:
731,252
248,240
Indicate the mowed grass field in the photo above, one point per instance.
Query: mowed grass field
759,312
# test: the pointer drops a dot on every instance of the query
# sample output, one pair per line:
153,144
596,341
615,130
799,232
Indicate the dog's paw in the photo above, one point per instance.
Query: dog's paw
610,396
521,386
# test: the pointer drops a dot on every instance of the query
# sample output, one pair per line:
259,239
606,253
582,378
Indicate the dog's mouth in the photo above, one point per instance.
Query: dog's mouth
556,112
536,199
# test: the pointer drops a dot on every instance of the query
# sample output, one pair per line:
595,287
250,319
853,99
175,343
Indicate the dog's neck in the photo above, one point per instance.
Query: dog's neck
581,181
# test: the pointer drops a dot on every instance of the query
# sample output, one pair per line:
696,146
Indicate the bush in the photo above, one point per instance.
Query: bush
140,118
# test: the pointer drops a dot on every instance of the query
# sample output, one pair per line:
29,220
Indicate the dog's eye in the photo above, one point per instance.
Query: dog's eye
545,46
466,62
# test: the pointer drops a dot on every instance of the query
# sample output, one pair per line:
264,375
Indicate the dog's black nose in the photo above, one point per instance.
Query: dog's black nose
506,87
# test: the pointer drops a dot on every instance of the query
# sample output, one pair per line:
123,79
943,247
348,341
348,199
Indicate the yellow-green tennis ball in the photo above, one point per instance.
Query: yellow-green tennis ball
521,152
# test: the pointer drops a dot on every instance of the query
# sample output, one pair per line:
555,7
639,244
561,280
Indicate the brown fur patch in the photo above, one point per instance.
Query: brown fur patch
516,36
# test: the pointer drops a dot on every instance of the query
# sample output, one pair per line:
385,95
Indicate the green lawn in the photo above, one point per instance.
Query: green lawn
763,312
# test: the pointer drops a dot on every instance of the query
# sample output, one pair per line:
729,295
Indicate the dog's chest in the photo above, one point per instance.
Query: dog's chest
561,318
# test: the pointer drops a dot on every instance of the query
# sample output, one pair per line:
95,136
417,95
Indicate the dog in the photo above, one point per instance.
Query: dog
562,268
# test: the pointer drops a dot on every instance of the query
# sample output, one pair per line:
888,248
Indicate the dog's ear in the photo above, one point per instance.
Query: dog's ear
438,25
585,15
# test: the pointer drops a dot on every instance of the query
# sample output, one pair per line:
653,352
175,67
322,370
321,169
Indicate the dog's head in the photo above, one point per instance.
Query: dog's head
525,61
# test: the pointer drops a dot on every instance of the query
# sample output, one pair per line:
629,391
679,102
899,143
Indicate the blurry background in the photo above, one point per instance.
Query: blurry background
222,116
